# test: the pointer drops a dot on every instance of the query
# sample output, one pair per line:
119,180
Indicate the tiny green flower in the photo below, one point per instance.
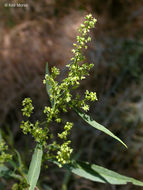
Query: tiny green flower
85,107
90,96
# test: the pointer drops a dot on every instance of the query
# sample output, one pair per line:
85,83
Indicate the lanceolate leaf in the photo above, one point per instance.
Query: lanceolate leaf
19,159
35,167
99,174
48,87
96,125
0,135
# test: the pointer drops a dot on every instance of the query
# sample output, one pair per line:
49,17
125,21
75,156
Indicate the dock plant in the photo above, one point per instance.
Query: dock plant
63,98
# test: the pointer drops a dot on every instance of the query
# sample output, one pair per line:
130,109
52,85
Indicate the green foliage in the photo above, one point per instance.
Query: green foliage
96,125
63,98
99,174
35,167
3,171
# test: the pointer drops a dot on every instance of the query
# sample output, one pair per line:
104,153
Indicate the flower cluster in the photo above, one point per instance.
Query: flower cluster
4,157
40,135
28,107
62,98
61,94
90,96
66,131
64,154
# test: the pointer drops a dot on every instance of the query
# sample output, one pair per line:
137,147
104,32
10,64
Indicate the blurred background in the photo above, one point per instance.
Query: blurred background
44,32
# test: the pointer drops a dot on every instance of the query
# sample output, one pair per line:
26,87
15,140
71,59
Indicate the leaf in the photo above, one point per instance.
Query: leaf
0,135
13,164
48,86
7,173
100,174
96,125
3,170
19,158
35,167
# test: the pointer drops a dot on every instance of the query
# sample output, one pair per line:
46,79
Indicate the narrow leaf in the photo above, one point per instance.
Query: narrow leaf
100,174
19,159
0,135
35,167
48,86
96,125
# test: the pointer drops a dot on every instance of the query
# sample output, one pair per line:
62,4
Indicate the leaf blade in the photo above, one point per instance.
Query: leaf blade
3,170
98,126
100,174
48,86
35,167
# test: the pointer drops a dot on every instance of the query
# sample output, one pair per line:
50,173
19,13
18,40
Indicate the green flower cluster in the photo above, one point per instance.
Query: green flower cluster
40,135
28,107
60,94
64,154
62,99
4,157
90,96
66,131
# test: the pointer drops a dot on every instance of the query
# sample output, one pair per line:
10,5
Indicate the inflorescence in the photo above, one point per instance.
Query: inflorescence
4,156
62,99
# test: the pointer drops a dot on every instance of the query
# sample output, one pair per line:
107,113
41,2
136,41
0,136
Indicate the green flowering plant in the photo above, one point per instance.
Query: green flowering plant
63,98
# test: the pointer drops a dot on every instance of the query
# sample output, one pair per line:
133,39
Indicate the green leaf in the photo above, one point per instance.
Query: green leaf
48,87
96,125
7,173
3,170
13,164
35,167
0,135
19,158
100,174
